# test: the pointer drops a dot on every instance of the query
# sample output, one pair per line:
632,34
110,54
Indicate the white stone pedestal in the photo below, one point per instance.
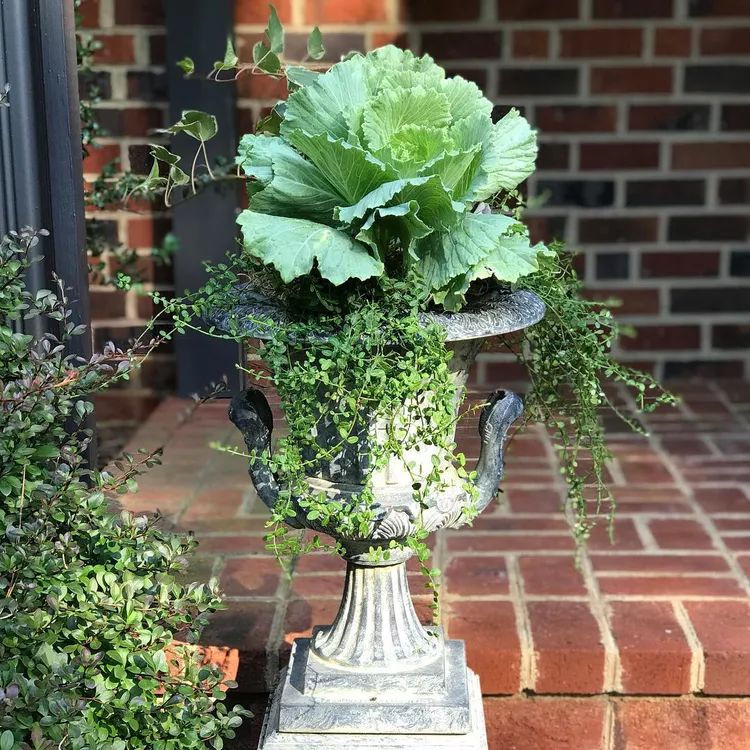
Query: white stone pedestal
317,707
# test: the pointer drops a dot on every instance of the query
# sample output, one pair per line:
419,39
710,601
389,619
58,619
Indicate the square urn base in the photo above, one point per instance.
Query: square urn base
318,706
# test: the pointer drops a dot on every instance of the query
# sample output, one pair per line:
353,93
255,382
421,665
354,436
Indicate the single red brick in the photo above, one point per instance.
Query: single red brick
533,723
468,541
89,12
556,576
261,87
116,49
530,43
672,586
723,499
138,13
631,80
330,585
141,121
239,544
625,536
633,301
439,10
680,534
458,45
645,471
500,523
554,156
619,155
396,38
492,645
673,42
617,9
697,724
740,8
576,119
601,42
99,157
157,49
634,229
710,155
497,374
654,563
147,232
222,502
344,11
109,304
679,264
254,12
251,576
668,117
479,576
654,654
567,643
536,10
534,501
663,337
725,41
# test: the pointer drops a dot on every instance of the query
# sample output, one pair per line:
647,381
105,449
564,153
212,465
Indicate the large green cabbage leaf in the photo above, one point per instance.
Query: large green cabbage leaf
291,246
383,154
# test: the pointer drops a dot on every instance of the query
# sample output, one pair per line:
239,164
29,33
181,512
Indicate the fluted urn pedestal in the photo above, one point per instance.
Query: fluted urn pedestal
376,677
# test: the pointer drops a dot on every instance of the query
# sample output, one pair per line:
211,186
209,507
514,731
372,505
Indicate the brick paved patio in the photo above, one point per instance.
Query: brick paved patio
582,660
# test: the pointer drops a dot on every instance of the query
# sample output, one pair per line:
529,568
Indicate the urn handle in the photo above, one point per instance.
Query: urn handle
502,410
252,416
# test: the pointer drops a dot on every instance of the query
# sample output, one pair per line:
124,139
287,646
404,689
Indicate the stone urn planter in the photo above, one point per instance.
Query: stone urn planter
376,677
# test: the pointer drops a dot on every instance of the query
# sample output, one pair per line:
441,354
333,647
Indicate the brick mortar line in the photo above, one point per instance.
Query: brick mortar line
578,598
609,727
645,534
499,24
528,671
697,656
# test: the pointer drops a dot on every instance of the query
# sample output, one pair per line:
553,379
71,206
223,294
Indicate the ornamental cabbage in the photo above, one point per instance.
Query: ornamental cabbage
382,164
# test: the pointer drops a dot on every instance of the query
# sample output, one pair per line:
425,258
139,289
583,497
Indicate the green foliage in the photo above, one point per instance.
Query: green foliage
376,364
385,149
89,598
378,190
567,356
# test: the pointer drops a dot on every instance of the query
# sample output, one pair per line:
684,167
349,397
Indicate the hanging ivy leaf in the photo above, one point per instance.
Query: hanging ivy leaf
265,58
315,48
199,125
186,65
230,58
162,154
275,32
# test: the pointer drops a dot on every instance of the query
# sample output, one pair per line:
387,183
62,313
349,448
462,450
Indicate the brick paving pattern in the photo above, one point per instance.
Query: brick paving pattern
568,658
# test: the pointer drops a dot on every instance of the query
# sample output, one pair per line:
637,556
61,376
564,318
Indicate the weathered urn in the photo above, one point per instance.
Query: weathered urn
376,677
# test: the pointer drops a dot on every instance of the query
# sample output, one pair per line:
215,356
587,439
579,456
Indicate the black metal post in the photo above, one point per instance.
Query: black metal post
205,225
40,144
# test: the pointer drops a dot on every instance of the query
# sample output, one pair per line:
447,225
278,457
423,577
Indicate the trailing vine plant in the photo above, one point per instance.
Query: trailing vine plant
380,189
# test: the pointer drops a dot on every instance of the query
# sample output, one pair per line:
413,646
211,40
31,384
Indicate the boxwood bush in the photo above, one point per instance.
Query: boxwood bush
89,597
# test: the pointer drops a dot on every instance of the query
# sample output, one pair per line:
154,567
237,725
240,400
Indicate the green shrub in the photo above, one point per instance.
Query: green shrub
89,599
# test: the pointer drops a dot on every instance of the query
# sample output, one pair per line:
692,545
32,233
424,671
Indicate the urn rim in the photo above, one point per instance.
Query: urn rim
497,312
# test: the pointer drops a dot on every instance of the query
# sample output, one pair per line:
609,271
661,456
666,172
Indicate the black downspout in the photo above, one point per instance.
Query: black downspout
205,225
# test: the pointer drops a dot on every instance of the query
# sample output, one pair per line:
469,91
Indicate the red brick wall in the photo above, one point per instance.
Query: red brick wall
130,74
643,108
